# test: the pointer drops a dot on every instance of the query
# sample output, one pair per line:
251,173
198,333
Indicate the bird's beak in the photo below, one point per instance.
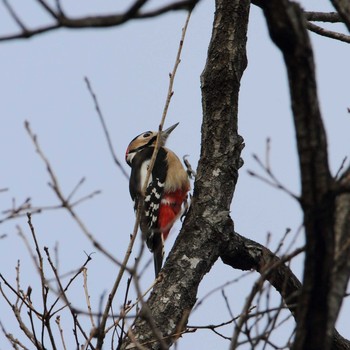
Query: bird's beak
167,132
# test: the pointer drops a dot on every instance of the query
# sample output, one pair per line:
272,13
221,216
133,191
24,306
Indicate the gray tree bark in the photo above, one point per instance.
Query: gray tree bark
208,231
208,220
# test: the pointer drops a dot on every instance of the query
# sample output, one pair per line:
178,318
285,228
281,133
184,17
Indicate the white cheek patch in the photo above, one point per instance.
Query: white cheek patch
130,157
143,173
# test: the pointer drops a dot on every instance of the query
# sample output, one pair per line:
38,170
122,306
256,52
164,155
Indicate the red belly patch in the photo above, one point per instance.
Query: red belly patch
169,210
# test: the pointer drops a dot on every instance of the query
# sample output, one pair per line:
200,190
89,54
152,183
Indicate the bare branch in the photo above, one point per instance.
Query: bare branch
59,8
190,172
18,211
343,8
17,313
267,269
14,341
15,16
328,33
272,181
87,298
58,322
134,9
30,32
187,5
63,295
105,129
330,17
63,21
64,202
340,169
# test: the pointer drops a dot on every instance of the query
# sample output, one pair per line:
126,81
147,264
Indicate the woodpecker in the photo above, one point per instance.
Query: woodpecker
166,191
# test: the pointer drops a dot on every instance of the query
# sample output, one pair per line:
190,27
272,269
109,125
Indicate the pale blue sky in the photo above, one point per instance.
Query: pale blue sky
128,66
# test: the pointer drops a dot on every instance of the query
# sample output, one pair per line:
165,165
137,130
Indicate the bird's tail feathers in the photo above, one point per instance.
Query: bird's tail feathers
158,253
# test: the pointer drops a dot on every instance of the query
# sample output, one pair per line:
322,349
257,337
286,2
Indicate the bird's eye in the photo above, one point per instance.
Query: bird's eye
146,134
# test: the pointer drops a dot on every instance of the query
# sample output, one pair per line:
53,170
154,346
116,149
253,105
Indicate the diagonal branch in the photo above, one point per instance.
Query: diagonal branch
47,8
328,33
104,127
244,254
63,21
14,15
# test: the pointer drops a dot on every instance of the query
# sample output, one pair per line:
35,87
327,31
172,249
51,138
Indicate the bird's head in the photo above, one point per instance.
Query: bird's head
146,139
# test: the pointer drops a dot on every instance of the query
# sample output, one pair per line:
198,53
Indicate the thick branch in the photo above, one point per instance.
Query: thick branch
245,254
341,268
287,27
197,247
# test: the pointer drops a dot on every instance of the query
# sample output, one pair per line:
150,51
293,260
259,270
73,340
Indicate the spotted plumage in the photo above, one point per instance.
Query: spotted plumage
165,193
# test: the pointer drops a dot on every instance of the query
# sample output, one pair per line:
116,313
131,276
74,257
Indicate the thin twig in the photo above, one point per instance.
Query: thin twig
63,295
59,8
75,189
145,310
14,341
58,322
14,15
227,303
219,288
18,317
47,8
87,297
44,288
337,175
274,182
190,172
115,287
124,313
21,210
140,204
126,305
255,289
24,299
104,127
65,204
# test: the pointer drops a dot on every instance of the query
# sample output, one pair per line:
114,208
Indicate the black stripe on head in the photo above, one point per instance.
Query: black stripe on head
148,144
146,132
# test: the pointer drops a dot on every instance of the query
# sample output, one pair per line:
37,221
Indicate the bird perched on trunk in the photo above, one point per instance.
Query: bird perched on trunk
165,193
